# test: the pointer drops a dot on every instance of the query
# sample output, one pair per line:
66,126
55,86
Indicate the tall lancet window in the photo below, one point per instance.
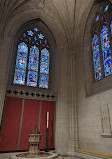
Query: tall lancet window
111,27
32,61
106,51
102,41
96,58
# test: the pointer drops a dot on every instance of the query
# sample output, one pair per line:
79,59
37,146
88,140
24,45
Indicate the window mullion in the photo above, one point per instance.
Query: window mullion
27,64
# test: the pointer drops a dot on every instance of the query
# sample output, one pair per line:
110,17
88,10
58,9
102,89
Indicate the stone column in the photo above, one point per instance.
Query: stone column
73,132
5,51
62,110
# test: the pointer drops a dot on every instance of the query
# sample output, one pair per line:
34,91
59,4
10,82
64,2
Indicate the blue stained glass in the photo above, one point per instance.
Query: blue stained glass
111,27
44,62
36,29
44,69
101,17
43,81
40,36
30,33
24,35
21,62
32,79
106,8
35,38
21,59
47,46
106,50
45,41
19,77
97,18
96,58
105,22
34,64
101,8
33,67
33,58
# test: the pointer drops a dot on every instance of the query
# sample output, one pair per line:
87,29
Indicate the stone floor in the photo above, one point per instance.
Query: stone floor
6,156
69,158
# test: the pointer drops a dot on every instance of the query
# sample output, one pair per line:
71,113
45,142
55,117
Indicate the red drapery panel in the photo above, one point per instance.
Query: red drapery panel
30,119
11,123
47,106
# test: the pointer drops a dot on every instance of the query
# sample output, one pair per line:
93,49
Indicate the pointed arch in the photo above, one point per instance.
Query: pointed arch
99,17
102,26
34,68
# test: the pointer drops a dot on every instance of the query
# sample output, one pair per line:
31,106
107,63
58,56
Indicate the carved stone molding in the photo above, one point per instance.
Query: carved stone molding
105,119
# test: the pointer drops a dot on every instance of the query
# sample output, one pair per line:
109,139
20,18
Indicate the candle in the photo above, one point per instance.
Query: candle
47,119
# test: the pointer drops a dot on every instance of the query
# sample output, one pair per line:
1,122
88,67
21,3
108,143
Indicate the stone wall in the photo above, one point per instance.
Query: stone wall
59,18
78,116
89,106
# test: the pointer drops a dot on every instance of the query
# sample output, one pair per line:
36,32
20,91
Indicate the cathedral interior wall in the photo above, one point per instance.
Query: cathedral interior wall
91,100
78,113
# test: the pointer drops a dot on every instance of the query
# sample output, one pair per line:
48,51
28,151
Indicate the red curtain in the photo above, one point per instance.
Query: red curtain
11,123
30,119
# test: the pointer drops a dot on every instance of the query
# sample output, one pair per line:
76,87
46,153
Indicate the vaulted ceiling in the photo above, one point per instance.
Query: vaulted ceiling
61,14
63,17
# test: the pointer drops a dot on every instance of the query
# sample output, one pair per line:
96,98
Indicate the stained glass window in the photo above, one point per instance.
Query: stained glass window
97,18
32,62
106,8
101,8
21,62
36,29
111,27
32,78
43,81
44,69
107,61
33,66
30,33
101,41
96,58
40,36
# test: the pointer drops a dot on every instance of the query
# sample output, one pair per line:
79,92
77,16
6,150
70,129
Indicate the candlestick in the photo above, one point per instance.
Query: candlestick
47,119
47,133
